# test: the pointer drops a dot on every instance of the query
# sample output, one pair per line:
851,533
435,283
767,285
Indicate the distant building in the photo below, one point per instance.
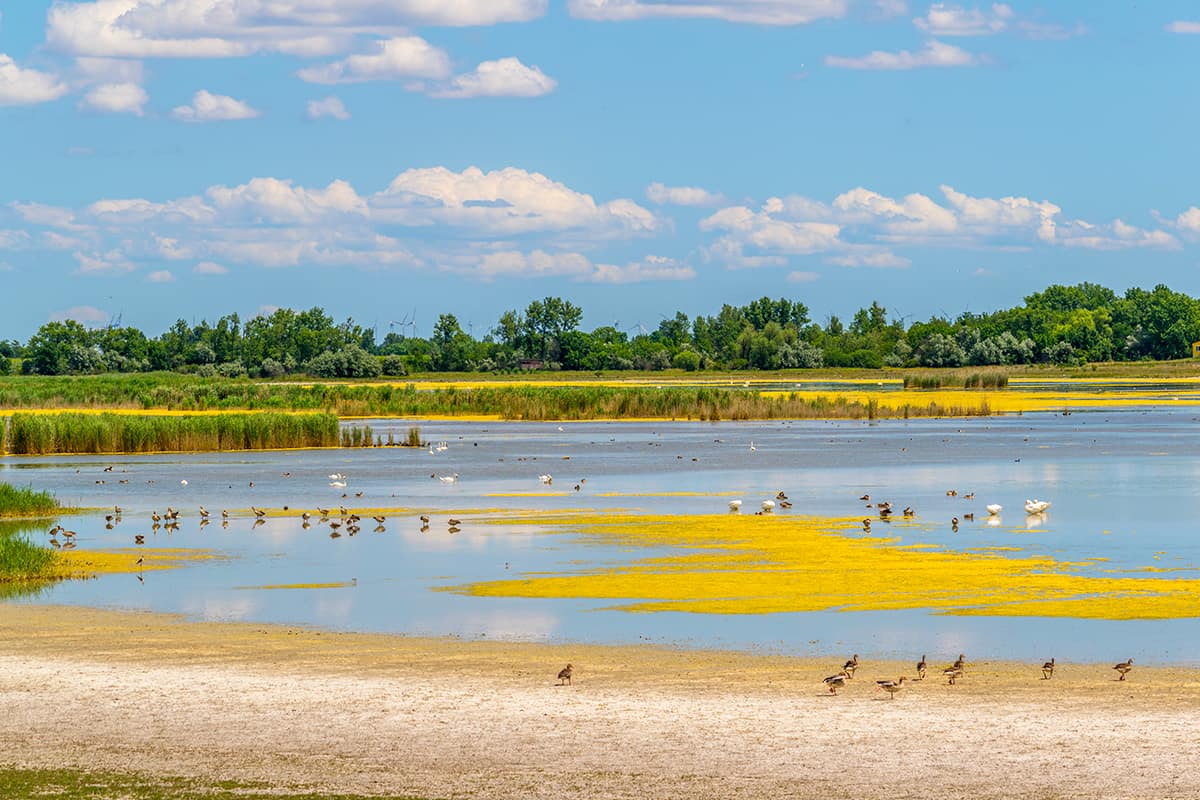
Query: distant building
1195,349
536,363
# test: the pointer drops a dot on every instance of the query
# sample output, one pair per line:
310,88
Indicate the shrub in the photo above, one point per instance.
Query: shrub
394,366
272,368
686,360
231,369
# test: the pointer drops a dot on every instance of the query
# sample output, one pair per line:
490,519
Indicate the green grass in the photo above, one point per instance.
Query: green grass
72,784
24,566
67,432
17,501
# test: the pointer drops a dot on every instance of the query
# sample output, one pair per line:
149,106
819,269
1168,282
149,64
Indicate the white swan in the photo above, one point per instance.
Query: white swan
338,484
752,447
546,479
337,476
448,478
1036,506
994,509
735,505
768,505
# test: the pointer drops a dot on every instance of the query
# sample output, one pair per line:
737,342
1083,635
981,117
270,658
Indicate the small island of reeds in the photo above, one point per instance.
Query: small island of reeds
18,501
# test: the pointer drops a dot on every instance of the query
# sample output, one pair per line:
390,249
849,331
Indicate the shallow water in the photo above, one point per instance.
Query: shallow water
1124,486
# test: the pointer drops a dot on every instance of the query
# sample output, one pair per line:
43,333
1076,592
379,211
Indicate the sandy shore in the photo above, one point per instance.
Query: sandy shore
444,718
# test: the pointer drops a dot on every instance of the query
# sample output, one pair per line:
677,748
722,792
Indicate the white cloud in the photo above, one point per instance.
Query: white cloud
763,232
210,268
650,268
19,87
538,264
759,12
11,240
116,98
505,77
1189,220
933,54
681,195
402,57
914,216
1117,235
232,28
161,276
112,262
40,214
280,202
84,314
871,257
209,107
91,70
505,202
327,107
800,276
1183,26
947,19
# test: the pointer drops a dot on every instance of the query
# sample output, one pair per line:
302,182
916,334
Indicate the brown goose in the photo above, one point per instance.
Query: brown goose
1124,668
921,667
1048,670
851,665
835,682
564,675
891,687
952,674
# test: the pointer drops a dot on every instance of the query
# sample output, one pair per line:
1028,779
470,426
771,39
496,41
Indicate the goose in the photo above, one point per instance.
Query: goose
994,509
785,503
891,687
952,674
851,665
921,667
908,511
425,518
768,505
835,682
306,516
225,513
969,517
323,511
866,498
781,496
453,521
1124,668
546,479
139,539
952,493
564,675
380,518
204,512
258,512
735,505
155,516
961,662
448,478
1048,670
453,529
1036,506
969,496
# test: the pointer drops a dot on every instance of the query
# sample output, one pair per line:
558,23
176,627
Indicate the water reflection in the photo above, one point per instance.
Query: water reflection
1122,487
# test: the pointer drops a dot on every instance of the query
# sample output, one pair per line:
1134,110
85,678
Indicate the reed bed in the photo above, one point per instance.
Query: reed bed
17,501
957,379
67,432
535,401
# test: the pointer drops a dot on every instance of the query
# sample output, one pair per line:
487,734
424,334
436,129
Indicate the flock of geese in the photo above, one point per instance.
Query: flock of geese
952,673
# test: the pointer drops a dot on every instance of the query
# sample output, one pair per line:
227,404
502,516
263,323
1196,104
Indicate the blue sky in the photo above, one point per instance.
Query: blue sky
189,158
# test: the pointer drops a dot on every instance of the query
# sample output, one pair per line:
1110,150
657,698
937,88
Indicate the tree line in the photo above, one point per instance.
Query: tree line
1062,325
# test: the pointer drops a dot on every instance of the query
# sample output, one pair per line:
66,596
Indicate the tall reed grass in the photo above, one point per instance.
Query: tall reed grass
45,434
521,402
16,501
990,379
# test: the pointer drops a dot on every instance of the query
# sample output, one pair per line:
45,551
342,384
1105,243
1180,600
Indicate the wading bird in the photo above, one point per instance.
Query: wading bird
835,682
1048,670
921,667
1124,667
564,675
891,687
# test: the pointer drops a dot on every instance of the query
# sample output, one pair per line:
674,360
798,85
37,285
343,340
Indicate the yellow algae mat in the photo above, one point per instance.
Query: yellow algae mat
741,564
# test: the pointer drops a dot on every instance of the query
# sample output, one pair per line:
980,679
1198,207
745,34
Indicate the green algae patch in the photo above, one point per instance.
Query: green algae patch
742,564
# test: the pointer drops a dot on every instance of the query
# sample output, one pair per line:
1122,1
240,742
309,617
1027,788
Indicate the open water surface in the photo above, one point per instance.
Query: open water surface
1125,485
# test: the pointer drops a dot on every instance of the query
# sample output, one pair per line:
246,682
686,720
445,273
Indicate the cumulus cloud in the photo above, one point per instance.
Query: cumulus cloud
327,107
20,87
1189,221
161,276
495,224
681,195
231,28
402,57
947,19
1183,26
860,228
650,268
759,12
933,54
802,276
85,314
209,107
116,98
505,77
